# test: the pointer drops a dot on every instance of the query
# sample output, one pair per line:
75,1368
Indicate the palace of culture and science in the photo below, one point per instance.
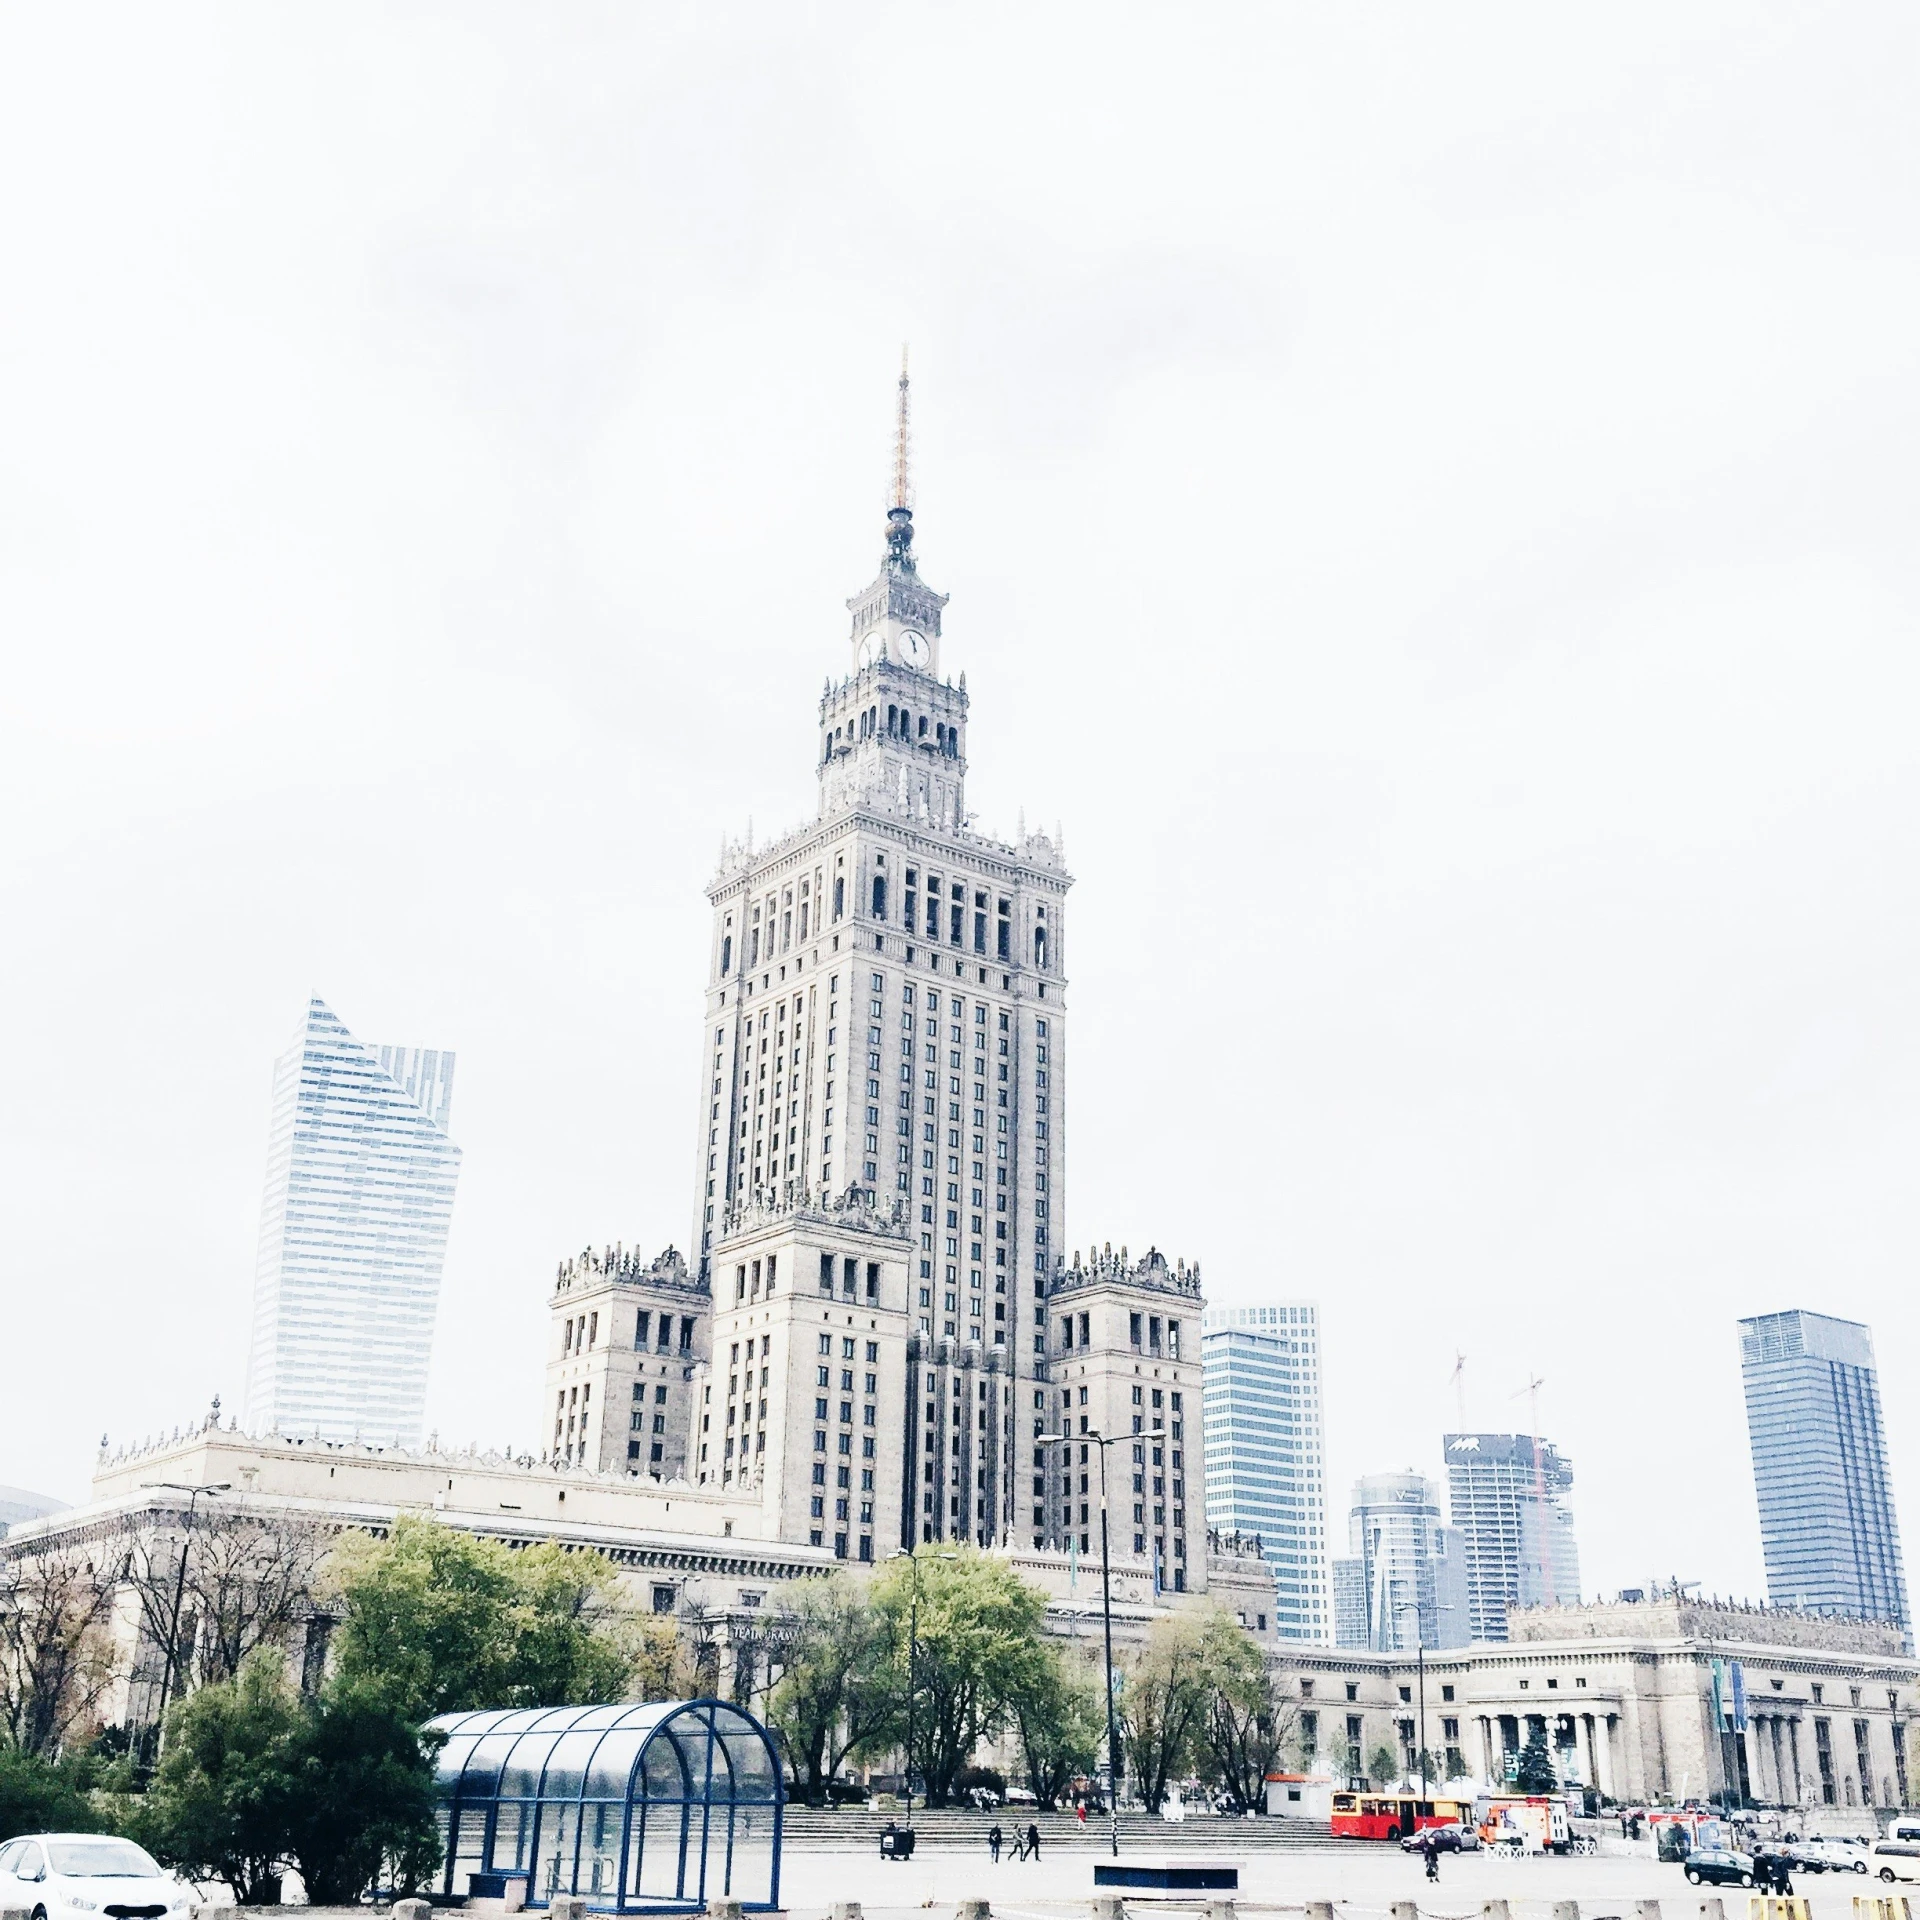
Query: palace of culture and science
875,1340
878,1322
875,1329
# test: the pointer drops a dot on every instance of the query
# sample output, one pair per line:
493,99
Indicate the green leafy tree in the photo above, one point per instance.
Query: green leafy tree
1061,1722
980,1648
571,1638
1248,1726
1534,1773
256,1775
220,1802
434,1621
363,1795
660,1666
835,1693
1383,1765
1163,1706
42,1796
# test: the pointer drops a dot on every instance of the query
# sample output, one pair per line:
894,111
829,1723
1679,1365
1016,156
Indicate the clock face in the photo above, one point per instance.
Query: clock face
871,648
914,649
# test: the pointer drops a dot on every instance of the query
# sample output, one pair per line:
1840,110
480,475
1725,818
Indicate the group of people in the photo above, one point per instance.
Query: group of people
1026,1846
1770,1871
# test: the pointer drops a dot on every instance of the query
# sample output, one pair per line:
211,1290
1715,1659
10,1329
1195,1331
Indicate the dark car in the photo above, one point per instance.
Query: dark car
1449,1837
1719,1868
1800,1860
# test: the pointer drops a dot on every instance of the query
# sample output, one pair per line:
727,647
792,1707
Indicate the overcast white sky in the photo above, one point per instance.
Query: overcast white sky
1428,499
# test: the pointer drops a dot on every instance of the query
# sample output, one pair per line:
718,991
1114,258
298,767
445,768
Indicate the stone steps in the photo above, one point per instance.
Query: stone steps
961,1829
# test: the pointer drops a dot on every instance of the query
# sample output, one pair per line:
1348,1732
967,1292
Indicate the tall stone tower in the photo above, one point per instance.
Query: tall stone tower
882,1118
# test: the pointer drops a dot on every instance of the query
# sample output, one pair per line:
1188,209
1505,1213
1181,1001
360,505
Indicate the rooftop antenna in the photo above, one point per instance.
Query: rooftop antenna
1459,1384
1532,1391
900,495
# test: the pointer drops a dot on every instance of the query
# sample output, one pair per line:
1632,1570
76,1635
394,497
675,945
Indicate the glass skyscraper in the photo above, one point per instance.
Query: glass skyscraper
1265,1458
1507,1493
1820,1466
353,1232
1404,1585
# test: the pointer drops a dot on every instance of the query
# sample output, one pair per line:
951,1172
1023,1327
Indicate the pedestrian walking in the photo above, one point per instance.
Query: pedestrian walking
1080,1811
1431,1855
993,1842
1033,1841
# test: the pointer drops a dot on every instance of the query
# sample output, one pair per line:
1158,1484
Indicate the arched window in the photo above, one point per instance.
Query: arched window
1040,947
726,956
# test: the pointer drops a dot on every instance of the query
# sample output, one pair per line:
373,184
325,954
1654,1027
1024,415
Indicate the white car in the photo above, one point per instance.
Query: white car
1896,1859
63,1876
1837,1856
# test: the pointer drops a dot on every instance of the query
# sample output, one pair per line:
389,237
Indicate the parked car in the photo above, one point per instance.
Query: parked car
1719,1867
49,1876
1837,1856
1895,1859
1451,1836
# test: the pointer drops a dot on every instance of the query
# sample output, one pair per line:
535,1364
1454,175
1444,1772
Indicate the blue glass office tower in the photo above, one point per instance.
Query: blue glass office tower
1820,1466
1266,1471
360,1179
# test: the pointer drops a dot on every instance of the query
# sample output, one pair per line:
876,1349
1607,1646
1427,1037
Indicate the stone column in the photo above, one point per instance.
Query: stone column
1603,1747
1487,1772
1751,1742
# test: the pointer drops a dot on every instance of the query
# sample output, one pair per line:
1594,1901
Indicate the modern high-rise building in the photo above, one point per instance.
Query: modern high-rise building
1407,1586
1265,1450
353,1232
889,1345
1827,1525
1507,1492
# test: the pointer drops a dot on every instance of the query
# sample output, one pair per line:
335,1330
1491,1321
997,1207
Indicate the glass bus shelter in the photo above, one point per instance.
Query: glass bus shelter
641,1809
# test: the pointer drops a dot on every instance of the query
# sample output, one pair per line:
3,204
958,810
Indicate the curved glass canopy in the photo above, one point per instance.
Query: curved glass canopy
641,1809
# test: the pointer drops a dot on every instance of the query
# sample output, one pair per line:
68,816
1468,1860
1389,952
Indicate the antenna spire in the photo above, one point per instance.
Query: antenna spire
900,498
900,492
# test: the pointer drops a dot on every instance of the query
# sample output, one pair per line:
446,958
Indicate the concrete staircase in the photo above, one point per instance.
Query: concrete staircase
962,1829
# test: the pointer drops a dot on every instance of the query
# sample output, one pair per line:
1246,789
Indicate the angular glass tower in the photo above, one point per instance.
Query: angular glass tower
1820,1466
353,1232
1265,1458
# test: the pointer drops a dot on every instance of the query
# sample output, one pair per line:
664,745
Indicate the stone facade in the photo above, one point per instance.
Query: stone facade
1626,1696
626,1344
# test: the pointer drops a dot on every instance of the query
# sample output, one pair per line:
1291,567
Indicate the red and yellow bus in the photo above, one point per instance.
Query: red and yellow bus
1381,1816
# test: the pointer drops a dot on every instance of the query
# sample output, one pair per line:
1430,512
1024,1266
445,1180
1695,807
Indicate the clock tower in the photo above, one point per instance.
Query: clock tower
893,733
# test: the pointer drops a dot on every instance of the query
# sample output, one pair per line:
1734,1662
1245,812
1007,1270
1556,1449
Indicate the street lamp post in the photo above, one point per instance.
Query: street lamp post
1103,1442
179,1594
913,1659
1423,1716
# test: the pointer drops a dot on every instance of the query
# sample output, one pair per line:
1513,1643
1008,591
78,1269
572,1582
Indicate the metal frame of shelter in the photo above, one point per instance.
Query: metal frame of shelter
640,1809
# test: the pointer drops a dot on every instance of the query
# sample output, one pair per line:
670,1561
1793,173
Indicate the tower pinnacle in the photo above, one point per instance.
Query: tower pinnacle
900,493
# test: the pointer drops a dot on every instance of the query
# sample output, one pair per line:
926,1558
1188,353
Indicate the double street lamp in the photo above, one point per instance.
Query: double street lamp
179,1592
1103,1442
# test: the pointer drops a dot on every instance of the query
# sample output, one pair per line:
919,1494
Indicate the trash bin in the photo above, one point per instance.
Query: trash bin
897,1844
